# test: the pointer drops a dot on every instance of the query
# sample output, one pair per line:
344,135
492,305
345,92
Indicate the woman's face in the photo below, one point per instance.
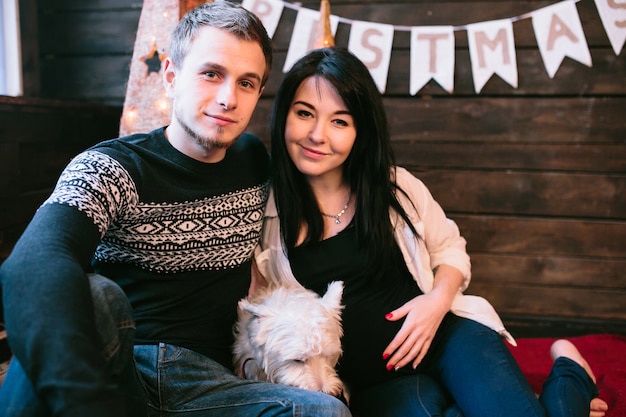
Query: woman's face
319,131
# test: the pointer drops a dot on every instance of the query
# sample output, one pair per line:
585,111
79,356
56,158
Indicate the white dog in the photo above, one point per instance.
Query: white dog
291,336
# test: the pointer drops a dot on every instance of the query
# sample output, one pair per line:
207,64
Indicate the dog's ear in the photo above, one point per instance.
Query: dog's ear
255,310
253,371
332,298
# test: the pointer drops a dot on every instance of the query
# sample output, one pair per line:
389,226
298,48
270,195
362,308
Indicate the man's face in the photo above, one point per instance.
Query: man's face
214,92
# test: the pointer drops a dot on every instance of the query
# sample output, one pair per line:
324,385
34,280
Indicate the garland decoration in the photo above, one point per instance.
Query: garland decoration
557,28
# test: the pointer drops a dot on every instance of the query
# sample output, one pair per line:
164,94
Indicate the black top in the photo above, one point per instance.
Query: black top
366,298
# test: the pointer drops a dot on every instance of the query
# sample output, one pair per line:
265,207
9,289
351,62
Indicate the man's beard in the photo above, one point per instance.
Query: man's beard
206,142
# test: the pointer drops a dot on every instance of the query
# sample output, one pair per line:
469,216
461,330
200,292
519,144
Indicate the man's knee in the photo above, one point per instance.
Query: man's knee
114,317
109,299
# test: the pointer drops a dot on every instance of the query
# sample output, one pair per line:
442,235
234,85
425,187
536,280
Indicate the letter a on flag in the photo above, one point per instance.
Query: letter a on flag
559,34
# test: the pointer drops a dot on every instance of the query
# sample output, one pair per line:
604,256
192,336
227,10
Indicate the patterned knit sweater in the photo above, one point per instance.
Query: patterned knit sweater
176,234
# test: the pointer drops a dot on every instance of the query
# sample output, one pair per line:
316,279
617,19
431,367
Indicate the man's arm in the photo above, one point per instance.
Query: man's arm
49,313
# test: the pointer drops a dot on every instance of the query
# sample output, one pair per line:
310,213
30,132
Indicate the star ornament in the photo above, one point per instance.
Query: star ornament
152,61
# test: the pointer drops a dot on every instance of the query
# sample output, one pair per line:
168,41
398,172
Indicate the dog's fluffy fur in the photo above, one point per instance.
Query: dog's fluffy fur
291,336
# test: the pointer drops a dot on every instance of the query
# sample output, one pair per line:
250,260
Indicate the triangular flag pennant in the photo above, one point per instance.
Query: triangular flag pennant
371,43
432,57
559,34
269,11
613,15
303,36
492,51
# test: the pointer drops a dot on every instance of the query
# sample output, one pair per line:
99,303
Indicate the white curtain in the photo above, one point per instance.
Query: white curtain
10,56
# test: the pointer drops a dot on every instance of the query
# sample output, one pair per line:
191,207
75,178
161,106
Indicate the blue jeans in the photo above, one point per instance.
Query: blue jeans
165,380
483,379
416,395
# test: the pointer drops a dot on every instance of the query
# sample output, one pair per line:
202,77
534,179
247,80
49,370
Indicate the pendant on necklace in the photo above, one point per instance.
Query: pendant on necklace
337,216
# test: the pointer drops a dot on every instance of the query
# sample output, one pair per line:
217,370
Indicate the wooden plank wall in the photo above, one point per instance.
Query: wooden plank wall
535,176
37,139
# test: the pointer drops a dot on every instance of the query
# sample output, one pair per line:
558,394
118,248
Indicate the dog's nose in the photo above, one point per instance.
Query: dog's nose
325,376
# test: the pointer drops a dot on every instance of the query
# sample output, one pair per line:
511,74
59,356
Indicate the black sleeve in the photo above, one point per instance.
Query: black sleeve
49,313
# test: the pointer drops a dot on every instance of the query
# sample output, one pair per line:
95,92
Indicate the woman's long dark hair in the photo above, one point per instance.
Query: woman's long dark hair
367,169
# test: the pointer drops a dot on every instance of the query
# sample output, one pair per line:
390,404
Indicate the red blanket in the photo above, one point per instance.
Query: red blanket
605,354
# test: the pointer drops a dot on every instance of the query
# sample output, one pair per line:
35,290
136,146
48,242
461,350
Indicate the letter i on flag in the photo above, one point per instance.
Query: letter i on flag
559,34
305,34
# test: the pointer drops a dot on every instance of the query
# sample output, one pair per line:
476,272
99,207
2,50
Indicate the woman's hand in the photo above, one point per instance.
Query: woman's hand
422,317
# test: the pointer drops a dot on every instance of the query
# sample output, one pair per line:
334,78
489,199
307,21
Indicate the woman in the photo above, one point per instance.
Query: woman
341,210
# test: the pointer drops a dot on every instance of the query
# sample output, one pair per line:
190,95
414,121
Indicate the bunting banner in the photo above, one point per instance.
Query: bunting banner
557,28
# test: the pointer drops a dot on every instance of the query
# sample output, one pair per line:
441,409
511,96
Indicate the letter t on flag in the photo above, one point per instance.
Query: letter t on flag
492,51
432,56
559,34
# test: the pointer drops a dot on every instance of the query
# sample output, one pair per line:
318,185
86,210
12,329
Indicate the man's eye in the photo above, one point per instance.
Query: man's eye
247,84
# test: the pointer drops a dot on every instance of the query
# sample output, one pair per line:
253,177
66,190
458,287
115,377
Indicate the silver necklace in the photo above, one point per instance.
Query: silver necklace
337,216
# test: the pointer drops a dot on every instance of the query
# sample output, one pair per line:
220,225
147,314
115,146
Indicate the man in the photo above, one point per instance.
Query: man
171,219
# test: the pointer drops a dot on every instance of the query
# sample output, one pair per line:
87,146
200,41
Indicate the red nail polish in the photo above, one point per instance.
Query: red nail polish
385,356
389,367
388,316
